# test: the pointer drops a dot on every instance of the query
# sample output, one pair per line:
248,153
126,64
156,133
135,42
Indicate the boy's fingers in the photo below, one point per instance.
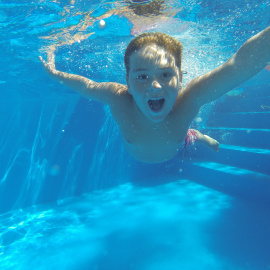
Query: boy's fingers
51,57
42,60
50,64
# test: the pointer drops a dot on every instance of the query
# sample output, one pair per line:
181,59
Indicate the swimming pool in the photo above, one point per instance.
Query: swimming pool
72,198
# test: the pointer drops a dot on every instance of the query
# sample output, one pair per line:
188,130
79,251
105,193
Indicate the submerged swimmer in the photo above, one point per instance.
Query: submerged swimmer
153,111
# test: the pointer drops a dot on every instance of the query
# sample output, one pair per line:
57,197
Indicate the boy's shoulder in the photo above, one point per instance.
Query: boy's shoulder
121,103
119,92
120,89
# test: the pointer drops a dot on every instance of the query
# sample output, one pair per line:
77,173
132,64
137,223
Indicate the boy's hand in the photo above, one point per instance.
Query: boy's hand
50,65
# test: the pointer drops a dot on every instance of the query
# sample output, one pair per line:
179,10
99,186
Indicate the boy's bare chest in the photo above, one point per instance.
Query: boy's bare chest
146,140
154,142
140,134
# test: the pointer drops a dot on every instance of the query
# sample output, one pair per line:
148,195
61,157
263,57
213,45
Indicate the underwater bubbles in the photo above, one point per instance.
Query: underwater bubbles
101,24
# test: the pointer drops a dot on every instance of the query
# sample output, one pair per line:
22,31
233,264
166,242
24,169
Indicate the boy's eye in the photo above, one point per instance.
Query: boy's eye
142,77
166,75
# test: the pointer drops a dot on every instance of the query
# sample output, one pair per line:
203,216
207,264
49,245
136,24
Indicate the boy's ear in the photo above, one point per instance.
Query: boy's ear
180,77
127,83
180,80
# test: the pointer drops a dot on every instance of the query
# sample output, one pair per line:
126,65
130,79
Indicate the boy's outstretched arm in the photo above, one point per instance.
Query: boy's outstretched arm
252,57
105,92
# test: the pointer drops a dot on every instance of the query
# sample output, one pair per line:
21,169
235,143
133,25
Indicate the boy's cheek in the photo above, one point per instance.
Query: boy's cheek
174,82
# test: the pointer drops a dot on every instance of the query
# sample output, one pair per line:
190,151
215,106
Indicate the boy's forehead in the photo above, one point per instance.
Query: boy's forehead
152,53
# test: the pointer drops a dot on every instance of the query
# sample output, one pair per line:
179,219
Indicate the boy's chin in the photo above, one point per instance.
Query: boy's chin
157,118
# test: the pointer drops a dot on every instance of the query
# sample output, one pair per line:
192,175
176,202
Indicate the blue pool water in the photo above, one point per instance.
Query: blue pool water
71,197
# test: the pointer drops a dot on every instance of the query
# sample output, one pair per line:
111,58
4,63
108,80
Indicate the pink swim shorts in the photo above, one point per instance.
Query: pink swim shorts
191,137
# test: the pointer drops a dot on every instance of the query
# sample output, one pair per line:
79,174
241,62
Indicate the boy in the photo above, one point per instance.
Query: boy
152,113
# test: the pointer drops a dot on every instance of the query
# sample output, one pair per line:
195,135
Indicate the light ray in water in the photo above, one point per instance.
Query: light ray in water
144,226
265,107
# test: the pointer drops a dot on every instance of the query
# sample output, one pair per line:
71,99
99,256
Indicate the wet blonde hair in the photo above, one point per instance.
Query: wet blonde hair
168,43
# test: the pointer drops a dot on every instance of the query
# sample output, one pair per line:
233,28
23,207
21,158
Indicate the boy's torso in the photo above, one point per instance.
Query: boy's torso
145,140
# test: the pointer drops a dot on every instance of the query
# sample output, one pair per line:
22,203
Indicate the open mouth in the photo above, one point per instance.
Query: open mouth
156,104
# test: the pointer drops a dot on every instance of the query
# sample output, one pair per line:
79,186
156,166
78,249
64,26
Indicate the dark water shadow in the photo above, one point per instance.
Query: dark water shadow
242,235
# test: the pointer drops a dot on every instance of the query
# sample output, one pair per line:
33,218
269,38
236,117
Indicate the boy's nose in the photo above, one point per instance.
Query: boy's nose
156,85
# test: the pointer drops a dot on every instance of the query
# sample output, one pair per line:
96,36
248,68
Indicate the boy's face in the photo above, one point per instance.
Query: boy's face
153,81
